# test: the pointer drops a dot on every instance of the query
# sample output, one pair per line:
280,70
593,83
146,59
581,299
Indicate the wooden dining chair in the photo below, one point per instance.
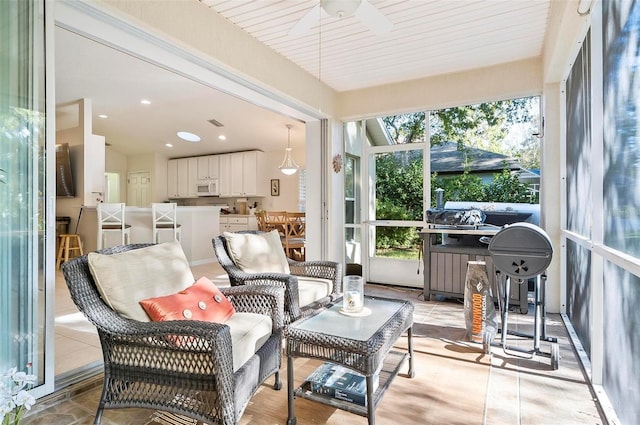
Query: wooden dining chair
277,220
295,236
261,220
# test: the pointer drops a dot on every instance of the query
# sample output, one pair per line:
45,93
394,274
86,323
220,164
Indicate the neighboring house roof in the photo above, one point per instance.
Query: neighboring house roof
377,133
447,159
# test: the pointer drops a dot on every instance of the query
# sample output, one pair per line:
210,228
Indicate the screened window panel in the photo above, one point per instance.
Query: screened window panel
621,61
621,375
578,148
579,292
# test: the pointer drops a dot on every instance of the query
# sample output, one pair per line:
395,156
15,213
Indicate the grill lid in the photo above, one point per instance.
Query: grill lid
521,250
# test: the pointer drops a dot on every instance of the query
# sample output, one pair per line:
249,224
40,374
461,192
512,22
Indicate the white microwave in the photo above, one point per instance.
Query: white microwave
207,188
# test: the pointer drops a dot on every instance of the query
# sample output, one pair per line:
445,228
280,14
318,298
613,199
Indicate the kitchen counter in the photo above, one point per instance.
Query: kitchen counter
237,222
199,224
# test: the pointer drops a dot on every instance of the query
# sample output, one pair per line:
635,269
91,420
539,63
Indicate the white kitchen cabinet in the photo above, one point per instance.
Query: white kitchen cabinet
238,174
208,167
237,223
224,181
251,162
242,174
172,178
192,177
181,182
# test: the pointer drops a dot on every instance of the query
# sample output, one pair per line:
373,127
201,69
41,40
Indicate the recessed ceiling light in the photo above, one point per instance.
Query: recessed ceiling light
103,116
145,102
189,137
169,145
222,137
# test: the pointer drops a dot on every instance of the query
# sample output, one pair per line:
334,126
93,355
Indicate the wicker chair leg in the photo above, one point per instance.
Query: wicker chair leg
277,385
98,417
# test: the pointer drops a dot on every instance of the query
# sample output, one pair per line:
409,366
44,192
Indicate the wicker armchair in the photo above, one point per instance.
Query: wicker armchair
306,269
145,368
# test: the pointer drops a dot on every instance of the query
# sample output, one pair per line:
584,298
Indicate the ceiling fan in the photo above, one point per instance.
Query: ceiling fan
371,17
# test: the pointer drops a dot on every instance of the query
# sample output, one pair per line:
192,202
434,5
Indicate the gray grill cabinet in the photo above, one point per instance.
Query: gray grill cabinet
446,252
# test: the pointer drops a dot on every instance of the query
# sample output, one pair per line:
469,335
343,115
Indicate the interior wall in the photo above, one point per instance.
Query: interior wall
159,178
139,163
116,162
70,207
289,185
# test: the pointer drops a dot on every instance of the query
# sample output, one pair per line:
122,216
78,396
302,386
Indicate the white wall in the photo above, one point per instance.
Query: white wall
511,80
116,162
289,185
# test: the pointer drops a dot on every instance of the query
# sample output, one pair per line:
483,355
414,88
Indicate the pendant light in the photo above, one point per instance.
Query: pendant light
288,166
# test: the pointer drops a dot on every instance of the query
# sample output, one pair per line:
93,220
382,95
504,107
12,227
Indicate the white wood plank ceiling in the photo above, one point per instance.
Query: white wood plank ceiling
428,37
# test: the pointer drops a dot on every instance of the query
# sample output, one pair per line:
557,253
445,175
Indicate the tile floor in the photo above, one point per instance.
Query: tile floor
455,382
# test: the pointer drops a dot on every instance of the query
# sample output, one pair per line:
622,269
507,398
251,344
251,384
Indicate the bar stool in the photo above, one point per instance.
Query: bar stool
164,218
111,220
69,243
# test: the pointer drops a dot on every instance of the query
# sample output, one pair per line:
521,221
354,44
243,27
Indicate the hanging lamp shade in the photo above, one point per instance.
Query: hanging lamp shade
288,166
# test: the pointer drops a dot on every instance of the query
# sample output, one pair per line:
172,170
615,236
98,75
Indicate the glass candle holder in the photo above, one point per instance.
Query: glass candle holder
353,294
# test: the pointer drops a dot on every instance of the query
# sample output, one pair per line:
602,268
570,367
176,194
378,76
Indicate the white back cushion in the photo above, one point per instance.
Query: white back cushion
311,289
125,278
257,253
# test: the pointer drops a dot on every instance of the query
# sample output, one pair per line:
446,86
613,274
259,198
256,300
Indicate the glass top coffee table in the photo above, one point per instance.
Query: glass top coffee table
361,343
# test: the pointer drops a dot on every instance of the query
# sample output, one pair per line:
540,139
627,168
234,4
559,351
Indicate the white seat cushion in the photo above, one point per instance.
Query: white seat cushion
249,332
312,289
125,278
257,253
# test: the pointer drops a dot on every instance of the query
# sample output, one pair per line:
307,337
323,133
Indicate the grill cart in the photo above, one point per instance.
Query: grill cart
522,251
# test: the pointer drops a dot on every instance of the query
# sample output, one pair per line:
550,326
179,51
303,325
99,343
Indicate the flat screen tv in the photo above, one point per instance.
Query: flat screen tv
64,176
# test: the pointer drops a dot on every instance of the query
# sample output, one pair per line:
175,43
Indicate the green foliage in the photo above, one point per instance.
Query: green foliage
504,187
465,187
406,128
399,180
387,237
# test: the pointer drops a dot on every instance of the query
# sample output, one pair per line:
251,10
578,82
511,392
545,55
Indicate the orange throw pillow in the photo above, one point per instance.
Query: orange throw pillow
200,301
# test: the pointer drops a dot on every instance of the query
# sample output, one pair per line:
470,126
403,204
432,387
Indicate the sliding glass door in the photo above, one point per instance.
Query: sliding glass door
23,191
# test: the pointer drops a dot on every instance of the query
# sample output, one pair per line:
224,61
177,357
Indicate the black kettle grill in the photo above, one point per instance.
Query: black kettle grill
523,251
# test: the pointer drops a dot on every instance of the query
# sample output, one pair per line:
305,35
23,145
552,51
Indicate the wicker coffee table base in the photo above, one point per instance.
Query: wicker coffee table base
379,357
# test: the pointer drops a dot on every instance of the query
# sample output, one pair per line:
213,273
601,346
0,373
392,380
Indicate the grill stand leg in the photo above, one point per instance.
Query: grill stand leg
505,312
539,325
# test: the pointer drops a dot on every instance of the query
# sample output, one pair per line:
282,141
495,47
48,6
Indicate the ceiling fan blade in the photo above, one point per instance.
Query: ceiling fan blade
373,19
306,22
